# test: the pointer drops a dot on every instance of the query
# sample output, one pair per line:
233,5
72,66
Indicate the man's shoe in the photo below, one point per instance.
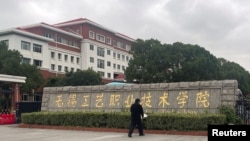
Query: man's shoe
129,135
142,135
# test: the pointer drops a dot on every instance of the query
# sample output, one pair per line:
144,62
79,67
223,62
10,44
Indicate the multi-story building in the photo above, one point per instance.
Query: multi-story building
73,45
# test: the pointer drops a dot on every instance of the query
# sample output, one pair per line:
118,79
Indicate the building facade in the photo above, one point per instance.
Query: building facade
72,45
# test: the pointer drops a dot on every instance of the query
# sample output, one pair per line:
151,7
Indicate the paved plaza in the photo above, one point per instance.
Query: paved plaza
15,133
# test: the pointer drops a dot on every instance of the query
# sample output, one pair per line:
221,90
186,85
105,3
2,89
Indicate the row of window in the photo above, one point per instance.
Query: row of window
108,40
28,97
61,40
35,61
101,64
99,37
92,35
53,66
101,52
60,68
38,48
27,46
66,58
102,74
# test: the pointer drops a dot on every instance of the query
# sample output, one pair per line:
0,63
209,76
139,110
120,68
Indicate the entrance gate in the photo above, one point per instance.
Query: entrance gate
26,107
243,110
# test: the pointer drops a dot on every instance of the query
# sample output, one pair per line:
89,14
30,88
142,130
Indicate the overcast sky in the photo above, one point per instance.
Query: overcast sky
222,27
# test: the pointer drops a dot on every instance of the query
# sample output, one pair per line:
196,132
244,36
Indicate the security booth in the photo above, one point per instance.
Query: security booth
9,97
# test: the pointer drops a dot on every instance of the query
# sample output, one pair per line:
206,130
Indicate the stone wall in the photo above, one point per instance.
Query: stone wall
185,97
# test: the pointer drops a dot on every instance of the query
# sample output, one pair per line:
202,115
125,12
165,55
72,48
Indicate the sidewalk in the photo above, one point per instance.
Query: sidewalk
15,133
192,133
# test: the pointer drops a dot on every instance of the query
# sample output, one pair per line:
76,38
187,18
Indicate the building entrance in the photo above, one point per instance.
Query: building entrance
10,92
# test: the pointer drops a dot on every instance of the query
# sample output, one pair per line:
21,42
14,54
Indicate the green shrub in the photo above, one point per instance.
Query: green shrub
154,121
231,117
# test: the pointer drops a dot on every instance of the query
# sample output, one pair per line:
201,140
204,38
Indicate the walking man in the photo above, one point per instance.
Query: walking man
136,118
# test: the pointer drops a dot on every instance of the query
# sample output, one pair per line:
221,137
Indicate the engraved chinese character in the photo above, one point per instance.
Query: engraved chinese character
99,100
129,101
85,101
182,99
114,100
201,99
164,100
146,100
59,101
71,101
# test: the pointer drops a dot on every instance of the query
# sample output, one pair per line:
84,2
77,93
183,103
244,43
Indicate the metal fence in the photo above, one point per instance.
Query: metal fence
243,110
27,107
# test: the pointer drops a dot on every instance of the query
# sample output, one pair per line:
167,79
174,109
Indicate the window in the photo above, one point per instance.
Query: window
127,58
64,41
59,39
123,58
100,63
73,43
59,56
101,73
52,54
100,38
108,52
114,43
108,40
121,45
26,60
59,68
91,59
72,59
91,34
123,68
114,66
72,69
128,47
48,35
70,43
100,51
114,55
37,62
65,69
25,45
109,63
52,66
91,47
118,56
118,67
6,42
25,97
77,60
66,58
37,97
109,75
37,48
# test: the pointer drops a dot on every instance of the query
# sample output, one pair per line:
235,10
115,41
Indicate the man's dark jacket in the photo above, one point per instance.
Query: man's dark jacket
136,111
